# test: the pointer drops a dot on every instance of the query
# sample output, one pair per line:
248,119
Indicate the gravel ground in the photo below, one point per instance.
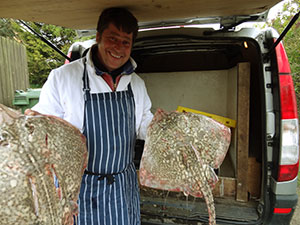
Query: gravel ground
296,217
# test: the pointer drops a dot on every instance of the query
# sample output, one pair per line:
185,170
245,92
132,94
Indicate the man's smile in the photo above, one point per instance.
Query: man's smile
114,55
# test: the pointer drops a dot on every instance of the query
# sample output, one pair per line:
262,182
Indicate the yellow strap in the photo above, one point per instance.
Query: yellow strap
226,121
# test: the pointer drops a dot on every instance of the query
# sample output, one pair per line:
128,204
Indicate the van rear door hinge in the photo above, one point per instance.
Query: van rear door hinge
268,68
270,165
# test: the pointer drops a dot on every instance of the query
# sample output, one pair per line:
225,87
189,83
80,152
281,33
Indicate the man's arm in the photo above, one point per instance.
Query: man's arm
146,117
49,101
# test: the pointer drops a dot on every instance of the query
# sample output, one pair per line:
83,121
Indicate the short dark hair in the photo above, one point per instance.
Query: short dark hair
122,18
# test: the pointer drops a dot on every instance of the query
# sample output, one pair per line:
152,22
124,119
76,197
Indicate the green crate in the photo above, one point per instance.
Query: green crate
26,99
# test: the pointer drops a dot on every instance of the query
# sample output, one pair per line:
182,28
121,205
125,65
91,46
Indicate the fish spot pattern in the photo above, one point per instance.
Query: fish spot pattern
181,150
32,150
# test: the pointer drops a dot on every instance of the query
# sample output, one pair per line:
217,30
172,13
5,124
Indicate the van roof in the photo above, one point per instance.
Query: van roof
84,14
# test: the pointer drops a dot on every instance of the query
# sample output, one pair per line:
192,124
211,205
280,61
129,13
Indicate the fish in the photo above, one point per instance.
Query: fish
181,151
42,161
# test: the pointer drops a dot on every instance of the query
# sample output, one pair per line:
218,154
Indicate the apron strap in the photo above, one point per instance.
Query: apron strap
130,89
85,79
110,177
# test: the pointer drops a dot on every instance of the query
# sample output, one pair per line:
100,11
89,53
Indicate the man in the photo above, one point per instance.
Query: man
102,96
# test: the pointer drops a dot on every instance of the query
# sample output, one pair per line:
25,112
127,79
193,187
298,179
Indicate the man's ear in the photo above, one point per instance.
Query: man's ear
98,37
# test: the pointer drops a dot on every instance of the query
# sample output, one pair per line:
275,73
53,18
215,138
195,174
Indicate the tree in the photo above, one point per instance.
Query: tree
6,29
291,40
41,58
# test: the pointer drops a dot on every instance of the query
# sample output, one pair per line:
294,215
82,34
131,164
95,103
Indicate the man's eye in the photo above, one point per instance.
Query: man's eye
126,43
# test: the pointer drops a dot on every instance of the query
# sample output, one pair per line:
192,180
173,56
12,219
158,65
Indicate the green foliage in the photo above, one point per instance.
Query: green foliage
41,57
6,28
85,38
292,38
291,41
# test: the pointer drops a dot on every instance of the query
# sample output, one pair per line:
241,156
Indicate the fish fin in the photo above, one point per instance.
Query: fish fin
7,115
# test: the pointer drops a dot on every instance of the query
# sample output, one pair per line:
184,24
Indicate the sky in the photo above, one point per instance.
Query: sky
273,12
275,9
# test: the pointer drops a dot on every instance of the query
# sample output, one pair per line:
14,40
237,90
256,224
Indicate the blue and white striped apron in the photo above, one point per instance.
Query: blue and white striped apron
109,193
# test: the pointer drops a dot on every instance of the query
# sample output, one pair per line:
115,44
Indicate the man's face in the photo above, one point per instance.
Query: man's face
114,47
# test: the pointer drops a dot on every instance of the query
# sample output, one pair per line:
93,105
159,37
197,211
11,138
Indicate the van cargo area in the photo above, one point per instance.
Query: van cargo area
221,76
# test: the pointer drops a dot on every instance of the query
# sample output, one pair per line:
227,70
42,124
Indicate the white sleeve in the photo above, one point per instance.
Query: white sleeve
49,101
146,115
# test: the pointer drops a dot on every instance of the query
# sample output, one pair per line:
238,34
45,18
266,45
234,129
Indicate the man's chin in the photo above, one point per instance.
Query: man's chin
115,65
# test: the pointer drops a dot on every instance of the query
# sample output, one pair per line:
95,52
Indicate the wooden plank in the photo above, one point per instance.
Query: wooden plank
226,187
24,68
2,85
10,80
16,76
19,73
243,101
5,72
22,71
254,177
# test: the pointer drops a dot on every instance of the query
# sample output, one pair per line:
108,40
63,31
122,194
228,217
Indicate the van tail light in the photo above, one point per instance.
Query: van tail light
289,139
282,210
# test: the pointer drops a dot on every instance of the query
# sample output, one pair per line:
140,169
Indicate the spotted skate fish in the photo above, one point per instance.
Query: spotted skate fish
42,160
181,150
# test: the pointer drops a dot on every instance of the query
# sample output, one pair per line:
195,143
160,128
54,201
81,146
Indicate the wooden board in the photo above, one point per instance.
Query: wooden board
243,101
226,187
254,177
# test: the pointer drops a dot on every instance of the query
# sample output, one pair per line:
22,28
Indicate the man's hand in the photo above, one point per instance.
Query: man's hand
29,112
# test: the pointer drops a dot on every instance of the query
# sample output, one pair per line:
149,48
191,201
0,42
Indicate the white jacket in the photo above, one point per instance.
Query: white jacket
62,94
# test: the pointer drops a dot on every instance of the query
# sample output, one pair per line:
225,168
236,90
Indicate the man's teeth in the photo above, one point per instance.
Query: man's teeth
116,56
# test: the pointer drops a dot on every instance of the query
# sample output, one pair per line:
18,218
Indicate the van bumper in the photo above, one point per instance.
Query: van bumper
282,202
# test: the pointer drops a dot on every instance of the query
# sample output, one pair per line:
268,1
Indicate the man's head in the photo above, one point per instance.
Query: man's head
116,31
121,18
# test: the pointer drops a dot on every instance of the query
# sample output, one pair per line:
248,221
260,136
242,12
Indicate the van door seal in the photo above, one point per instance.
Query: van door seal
45,40
288,27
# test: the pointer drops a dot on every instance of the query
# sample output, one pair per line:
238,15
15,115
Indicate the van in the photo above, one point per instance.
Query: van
229,74
241,74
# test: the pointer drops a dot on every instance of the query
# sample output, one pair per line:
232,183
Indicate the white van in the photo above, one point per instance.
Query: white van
236,74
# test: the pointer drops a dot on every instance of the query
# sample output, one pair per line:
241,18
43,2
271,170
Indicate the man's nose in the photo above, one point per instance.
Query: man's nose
119,45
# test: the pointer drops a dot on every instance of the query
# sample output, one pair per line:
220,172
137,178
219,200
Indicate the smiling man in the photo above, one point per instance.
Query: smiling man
116,32
101,95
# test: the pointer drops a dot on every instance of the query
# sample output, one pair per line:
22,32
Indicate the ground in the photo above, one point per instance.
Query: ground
296,217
